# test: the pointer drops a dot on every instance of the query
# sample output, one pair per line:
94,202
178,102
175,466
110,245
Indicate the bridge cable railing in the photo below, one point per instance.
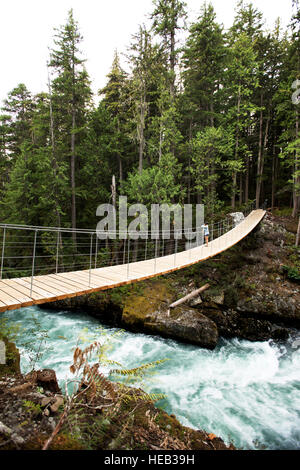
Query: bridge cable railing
27,251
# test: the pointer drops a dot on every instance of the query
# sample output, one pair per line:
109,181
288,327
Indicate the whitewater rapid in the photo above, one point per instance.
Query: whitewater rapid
245,392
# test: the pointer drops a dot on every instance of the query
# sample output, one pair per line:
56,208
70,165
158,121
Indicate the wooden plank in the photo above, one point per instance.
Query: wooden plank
42,285
21,298
71,284
80,277
84,276
70,280
115,275
23,290
15,293
60,285
8,300
35,288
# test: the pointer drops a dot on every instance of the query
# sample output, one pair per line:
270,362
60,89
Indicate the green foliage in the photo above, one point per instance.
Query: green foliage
231,296
33,409
8,330
283,212
212,121
92,391
156,185
37,348
211,150
293,274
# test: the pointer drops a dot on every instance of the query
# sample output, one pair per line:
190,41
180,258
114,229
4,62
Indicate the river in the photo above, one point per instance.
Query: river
245,392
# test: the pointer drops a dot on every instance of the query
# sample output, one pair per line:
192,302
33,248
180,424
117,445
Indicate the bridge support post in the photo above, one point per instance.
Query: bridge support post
96,251
155,256
124,251
57,248
146,248
190,245
175,252
2,254
128,256
91,255
33,261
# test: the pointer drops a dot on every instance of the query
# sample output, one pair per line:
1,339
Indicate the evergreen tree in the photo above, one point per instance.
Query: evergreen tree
5,160
71,97
117,102
168,17
145,61
211,150
241,80
203,60
19,107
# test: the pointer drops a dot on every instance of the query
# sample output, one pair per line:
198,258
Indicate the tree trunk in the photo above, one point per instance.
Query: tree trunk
259,158
189,163
298,233
241,190
296,196
141,127
114,191
260,163
172,64
274,176
119,156
120,168
247,180
234,177
54,162
160,142
73,184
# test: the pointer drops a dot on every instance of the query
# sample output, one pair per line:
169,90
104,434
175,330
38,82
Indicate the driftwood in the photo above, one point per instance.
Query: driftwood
189,296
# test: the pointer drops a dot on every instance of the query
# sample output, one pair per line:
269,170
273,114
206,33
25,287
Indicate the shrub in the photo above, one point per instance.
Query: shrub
293,274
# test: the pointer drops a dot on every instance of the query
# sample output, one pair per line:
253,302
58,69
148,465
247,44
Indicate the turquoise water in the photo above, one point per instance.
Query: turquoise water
245,392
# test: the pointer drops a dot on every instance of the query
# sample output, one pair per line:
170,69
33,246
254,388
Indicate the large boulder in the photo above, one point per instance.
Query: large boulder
272,307
149,312
188,325
237,217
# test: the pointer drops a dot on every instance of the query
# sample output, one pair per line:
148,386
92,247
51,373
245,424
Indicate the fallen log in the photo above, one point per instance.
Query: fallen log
189,296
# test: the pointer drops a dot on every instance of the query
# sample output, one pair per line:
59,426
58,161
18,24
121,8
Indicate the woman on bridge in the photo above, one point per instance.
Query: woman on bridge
206,232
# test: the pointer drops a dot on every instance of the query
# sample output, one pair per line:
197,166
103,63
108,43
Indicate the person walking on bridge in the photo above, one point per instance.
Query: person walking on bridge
206,232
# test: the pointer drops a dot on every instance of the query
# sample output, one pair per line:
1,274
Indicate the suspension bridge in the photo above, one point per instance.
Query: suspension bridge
40,264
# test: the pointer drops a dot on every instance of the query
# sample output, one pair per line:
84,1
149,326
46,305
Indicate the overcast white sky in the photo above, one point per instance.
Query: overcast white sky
26,33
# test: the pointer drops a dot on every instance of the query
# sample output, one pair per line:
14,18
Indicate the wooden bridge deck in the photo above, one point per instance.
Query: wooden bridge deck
17,292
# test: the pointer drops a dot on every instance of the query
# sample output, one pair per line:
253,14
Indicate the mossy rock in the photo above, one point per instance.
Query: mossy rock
144,306
12,365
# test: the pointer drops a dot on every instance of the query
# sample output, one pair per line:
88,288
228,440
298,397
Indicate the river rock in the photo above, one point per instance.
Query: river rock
149,312
58,402
46,378
186,324
237,217
271,307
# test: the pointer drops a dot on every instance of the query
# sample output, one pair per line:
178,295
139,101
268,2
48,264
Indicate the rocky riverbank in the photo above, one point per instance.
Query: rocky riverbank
254,294
32,406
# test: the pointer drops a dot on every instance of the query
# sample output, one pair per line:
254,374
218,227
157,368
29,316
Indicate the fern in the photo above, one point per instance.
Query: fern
94,391
138,371
143,396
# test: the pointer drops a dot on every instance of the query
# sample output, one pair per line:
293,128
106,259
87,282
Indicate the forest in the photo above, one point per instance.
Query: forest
212,118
